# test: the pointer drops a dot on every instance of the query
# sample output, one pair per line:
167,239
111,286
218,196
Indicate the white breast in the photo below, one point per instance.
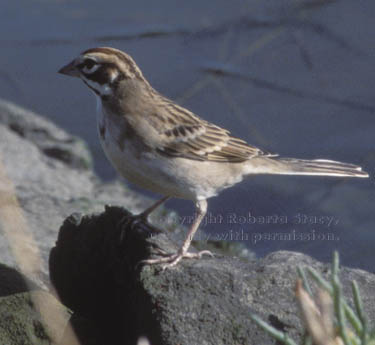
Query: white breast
144,169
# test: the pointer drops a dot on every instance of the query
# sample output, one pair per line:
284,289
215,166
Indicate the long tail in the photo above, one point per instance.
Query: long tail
293,166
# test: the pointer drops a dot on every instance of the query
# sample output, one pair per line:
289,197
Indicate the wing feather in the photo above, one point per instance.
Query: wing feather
186,135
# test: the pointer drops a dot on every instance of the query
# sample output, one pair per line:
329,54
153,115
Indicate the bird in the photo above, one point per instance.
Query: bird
163,147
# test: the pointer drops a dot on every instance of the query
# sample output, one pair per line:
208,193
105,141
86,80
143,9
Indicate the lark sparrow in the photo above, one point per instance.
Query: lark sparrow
165,148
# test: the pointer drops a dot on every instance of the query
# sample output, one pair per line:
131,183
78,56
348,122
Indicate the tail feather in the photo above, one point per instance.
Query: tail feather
317,167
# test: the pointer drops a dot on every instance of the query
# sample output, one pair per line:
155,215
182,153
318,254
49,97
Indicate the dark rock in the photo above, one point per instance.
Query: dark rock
84,329
89,261
95,269
12,282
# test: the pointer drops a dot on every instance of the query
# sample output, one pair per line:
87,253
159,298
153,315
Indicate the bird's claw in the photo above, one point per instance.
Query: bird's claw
170,260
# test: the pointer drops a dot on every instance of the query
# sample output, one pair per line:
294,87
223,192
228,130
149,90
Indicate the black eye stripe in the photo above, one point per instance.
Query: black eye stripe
103,74
100,76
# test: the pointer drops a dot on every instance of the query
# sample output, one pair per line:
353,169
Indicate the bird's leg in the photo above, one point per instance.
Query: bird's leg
171,260
201,208
144,215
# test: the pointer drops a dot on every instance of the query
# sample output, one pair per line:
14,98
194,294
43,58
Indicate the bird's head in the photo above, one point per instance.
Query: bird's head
103,69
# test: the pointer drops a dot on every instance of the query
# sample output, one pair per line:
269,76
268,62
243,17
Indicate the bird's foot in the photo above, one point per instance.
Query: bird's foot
170,260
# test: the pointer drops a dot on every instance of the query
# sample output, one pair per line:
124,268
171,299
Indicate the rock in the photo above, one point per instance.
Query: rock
13,282
23,324
29,315
84,331
51,140
90,252
45,176
95,269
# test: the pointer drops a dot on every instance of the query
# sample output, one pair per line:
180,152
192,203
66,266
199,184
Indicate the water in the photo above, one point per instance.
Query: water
293,78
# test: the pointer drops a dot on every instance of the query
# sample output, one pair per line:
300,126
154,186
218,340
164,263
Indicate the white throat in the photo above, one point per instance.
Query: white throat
99,112
99,104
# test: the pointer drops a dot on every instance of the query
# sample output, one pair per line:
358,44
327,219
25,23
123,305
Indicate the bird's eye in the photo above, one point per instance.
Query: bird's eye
89,63
88,66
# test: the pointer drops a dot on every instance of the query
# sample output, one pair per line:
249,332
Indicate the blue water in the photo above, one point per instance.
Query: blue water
293,78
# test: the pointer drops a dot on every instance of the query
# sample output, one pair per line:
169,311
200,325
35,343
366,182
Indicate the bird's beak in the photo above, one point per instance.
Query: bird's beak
70,69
